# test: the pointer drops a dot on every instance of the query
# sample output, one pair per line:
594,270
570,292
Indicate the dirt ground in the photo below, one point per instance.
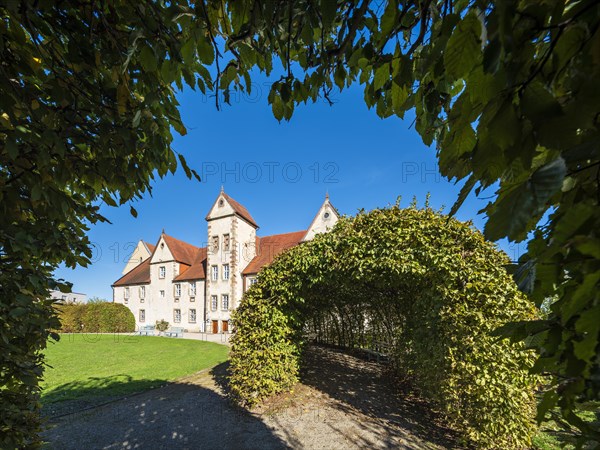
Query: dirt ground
343,402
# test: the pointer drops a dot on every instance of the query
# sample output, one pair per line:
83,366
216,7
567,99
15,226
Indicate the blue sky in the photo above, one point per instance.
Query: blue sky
279,171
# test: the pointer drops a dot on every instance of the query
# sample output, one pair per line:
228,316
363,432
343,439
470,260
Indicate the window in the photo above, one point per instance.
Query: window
226,271
225,302
162,294
192,289
126,292
142,292
253,281
213,302
162,272
177,290
215,244
225,242
215,273
142,315
192,316
176,316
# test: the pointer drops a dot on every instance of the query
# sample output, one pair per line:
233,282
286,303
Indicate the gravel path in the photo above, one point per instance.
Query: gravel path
343,402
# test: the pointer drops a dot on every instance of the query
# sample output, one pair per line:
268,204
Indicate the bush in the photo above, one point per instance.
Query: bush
162,325
97,317
429,286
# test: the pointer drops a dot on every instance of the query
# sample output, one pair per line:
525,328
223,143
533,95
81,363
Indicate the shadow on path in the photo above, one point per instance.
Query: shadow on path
182,415
398,417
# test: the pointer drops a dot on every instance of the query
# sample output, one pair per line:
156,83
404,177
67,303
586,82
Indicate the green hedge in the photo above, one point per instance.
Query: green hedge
429,286
102,317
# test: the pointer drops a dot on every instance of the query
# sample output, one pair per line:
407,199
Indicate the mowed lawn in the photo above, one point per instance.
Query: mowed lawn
91,367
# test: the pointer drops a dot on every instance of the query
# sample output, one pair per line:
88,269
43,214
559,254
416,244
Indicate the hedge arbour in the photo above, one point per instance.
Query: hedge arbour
430,286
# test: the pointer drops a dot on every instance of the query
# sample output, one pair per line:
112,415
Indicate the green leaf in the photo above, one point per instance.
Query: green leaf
188,172
278,107
148,59
382,75
136,119
517,205
133,211
463,50
463,194
328,12
548,401
583,295
206,51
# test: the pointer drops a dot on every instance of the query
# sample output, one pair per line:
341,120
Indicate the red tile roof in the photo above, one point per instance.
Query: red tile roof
268,247
197,270
138,275
150,246
239,209
182,251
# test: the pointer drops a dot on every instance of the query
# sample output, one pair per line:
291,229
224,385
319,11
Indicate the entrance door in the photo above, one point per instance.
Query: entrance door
215,326
224,326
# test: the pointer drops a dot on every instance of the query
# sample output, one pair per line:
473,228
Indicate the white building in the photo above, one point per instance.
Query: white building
70,297
197,287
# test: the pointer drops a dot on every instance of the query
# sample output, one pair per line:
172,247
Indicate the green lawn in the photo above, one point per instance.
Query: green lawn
90,367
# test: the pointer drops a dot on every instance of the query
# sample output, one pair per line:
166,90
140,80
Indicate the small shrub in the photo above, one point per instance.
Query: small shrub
162,325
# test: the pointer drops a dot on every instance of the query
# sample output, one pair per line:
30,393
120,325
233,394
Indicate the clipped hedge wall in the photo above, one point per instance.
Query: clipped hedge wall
428,285
101,317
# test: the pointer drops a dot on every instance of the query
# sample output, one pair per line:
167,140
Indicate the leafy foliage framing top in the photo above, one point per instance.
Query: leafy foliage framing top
428,285
506,89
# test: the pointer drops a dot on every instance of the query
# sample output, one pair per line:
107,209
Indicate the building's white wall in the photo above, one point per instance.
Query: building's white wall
245,245
186,302
139,255
158,308
74,297
219,257
162,252
325,220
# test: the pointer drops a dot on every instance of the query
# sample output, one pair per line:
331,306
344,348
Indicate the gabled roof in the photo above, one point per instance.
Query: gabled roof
268,247
182,251
140,274
325,203
239,209
197,270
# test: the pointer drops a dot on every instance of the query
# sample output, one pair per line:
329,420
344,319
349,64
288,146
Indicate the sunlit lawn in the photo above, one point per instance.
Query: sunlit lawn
88,366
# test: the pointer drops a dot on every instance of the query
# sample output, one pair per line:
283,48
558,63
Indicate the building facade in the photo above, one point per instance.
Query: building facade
70,297
196,288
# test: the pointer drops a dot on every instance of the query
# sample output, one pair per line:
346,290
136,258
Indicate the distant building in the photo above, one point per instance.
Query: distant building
72,297
197,287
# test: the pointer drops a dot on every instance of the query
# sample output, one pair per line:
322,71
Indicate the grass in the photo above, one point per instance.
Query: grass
552,436
90,368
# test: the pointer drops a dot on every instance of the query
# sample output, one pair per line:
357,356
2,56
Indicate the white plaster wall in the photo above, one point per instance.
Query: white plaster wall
219,257
322,224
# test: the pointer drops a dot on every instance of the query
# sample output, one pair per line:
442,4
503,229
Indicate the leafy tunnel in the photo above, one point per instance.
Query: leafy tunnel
428,287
